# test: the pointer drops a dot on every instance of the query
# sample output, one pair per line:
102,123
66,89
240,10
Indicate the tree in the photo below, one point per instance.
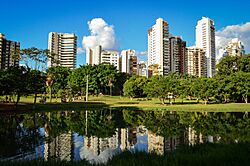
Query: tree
158,86
3,83
121,78
245,63
77,80
49,83
231,64
242,83
110,83
17,80
228,65
58,76
36,83
35,58
134,87
208,88
224,89
105,77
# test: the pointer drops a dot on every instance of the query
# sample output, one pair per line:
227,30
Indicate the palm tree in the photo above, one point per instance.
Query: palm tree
110,83
49,83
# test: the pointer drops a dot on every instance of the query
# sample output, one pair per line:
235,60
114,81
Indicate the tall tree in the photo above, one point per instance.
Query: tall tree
59,75
36,83
134,87
242,83
34,58
158,86
208,88
17,79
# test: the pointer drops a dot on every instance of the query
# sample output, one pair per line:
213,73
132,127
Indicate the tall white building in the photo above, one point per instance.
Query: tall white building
62,49
93,55
158,48
142,69
96,56
129,61
110,57
205,39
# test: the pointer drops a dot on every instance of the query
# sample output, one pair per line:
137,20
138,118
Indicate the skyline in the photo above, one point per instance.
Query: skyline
31,22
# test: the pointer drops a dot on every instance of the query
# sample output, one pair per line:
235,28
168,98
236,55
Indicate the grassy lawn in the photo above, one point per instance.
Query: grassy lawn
135,104
155,104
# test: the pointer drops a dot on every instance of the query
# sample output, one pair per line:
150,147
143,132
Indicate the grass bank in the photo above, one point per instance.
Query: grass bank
204,155
126,103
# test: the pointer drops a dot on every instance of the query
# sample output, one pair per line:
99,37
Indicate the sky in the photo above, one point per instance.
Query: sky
119,24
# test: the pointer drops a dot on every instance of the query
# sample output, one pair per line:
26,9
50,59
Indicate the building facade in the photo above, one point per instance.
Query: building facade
234,48
158,48
178,58
93,55
129,62
110,57
142,69
62,49
96,56
9,52
196,62
205,39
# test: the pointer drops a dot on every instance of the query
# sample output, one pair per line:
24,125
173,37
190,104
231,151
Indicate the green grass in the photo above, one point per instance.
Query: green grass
204,155
155,104
126,103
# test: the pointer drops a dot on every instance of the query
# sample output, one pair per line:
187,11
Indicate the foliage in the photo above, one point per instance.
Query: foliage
231,84
36,83
60,77
35,58
159,87
134,87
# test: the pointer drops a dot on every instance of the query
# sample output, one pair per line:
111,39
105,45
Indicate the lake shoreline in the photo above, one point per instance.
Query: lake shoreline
77,106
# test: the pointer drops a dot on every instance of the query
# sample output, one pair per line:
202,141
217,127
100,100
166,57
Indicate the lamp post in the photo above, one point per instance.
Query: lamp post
87,88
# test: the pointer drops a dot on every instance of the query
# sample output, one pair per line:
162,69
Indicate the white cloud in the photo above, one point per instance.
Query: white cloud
100,34
80,50
143,55
241,31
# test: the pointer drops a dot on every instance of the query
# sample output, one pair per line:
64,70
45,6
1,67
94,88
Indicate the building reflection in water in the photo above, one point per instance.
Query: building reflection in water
50,142
100,150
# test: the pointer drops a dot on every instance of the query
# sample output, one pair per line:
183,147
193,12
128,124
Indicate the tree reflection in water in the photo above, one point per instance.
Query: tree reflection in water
107,132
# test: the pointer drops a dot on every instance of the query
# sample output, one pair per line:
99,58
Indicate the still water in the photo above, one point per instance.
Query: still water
98,135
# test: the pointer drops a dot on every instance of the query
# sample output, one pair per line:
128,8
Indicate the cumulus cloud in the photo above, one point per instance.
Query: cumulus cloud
241,31
100,34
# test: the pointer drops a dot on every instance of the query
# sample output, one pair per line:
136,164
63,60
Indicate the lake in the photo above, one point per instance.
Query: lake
98,135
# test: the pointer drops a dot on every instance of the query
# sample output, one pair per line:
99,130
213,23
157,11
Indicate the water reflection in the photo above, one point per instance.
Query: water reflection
98,135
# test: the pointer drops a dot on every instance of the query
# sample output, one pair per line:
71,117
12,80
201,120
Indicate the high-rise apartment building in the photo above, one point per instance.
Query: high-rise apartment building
110,57
62,49
9,52
142,69
178,58
93,55
234,48
205,39
129,61
196,62
96,56
158,48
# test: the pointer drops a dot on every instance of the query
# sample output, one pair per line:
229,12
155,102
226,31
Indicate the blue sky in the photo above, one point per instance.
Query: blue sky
30,21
